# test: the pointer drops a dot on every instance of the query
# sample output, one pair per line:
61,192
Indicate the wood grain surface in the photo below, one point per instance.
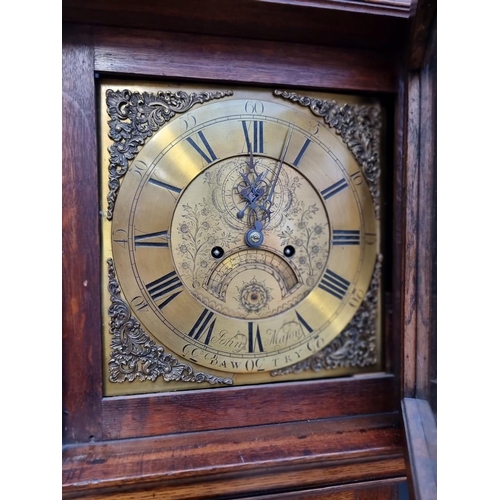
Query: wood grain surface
410,235
397,229
422,16
324,22
421,450
180,55
82,385
138,416
426,362
385,489
241,461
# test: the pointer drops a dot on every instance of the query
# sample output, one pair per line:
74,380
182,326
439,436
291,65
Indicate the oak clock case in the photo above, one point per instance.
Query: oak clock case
241,236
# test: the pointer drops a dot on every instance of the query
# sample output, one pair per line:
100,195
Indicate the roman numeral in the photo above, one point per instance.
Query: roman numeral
202,327
303,322
334,189
148,240
334,284
164,185
345,237
254,341
208,155
164,288
257,146
295,162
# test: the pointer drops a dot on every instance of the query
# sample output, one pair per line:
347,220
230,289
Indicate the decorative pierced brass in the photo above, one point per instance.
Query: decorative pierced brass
135,117
135,356
359,127
356,346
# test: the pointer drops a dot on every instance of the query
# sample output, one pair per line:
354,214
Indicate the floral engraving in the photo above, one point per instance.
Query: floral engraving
305,238
200,231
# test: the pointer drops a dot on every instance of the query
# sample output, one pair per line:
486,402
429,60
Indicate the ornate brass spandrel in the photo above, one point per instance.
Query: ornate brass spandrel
135,116
356,345
360,129
134,356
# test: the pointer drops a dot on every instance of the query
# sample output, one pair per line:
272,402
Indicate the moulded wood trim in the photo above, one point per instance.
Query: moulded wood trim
384,489
396,8
397,281
241,461
375,24
426,267
423,17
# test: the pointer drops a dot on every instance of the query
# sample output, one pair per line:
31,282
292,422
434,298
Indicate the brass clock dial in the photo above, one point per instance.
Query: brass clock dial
244,234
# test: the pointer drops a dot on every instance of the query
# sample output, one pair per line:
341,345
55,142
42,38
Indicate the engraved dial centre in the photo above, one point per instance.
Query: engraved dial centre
219,208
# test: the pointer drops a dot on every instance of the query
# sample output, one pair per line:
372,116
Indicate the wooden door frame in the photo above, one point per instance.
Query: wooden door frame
358,417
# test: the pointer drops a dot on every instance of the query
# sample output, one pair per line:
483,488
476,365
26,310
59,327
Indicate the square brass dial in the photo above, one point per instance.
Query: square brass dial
240,235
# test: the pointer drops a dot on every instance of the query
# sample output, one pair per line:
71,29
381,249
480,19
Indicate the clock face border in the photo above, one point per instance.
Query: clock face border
148,386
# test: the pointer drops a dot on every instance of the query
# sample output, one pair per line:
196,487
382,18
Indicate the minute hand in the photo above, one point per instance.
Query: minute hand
268,202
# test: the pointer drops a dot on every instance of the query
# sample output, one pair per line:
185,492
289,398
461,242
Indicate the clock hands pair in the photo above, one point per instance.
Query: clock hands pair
254,188
253,193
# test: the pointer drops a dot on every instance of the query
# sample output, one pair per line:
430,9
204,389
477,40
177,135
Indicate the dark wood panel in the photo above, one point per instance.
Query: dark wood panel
426,194
240,461
419,235
410,235
397,229
421,447
131,416
174,55
426,326
82,391
375,25
422,18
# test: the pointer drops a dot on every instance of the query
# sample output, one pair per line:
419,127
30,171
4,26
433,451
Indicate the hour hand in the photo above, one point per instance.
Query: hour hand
253,189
